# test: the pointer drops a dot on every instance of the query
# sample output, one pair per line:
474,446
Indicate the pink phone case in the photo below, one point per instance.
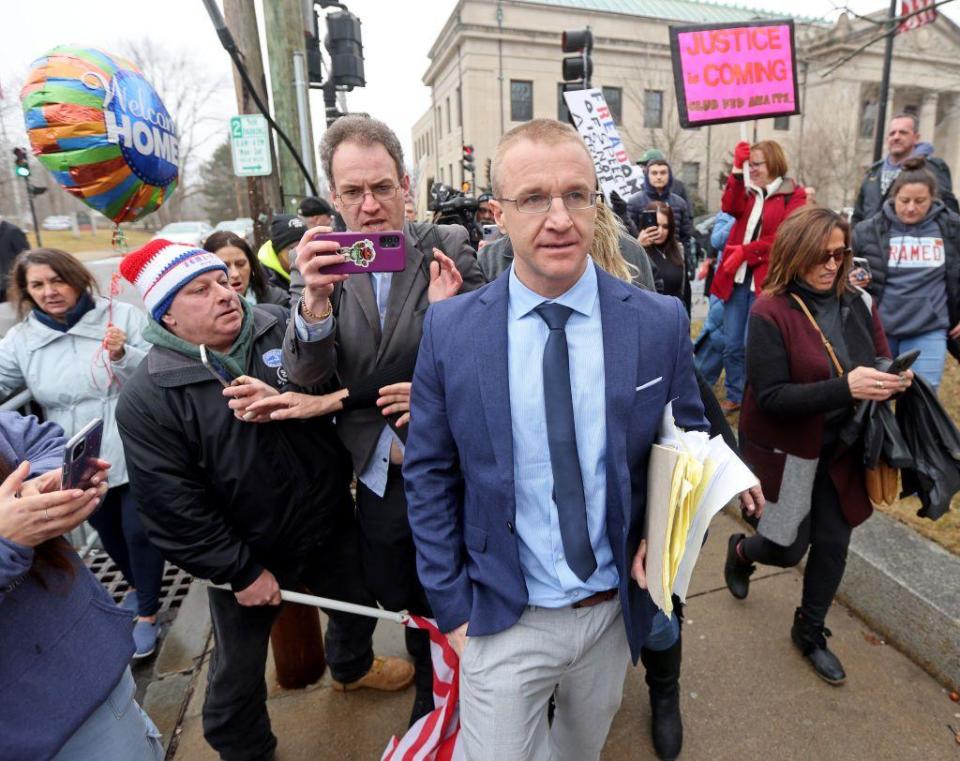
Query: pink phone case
368,252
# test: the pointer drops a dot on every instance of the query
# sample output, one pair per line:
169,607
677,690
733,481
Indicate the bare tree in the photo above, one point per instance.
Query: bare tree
831,162
675,142
190,93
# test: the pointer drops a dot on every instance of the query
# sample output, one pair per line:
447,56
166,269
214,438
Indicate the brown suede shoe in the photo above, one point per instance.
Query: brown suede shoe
388,674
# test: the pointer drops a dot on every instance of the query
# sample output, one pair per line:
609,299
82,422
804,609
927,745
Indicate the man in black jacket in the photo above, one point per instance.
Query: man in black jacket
255,506
903,141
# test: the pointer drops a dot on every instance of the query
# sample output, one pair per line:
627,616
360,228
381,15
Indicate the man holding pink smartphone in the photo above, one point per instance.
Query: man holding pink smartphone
377,316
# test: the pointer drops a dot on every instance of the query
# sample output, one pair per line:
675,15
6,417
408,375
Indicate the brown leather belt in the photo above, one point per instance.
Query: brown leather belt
595,599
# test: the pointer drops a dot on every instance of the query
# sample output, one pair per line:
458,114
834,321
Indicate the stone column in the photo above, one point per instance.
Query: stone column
928,116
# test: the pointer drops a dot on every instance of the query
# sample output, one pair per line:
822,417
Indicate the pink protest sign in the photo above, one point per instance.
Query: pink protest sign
734,72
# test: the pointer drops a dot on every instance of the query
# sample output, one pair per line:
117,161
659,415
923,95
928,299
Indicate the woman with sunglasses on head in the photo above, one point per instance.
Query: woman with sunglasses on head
912,246
811,347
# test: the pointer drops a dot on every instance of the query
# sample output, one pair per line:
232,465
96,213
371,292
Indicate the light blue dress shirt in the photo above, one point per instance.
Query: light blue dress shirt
374,476
550,582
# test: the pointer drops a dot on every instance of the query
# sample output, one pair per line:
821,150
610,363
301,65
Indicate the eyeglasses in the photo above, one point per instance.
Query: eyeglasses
837,255
380,192
539,203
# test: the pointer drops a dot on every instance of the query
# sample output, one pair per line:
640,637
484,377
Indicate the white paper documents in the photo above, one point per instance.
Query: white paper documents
690,478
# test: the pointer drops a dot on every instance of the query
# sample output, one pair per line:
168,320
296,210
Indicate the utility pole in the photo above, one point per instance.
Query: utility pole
285,30
885,83
262,196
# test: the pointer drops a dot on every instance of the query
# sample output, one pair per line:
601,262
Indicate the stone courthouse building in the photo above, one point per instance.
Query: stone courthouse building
497,63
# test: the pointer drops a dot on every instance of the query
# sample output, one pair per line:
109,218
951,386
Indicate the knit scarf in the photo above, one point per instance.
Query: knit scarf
235,360
72,317
753,221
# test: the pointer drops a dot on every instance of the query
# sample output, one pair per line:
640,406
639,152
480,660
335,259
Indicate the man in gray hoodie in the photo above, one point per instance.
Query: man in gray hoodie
903,142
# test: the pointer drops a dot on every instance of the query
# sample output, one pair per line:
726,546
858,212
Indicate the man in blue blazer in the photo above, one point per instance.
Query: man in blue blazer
535,402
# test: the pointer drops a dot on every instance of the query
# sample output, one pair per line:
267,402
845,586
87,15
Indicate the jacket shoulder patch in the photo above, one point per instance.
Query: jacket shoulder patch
273,358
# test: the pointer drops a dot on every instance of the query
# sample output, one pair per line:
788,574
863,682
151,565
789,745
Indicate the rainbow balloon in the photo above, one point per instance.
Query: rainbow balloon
101,130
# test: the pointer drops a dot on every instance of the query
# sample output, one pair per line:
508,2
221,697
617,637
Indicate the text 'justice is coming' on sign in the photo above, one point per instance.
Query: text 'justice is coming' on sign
734,72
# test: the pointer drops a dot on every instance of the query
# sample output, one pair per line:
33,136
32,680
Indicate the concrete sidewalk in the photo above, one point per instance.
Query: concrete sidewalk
747,694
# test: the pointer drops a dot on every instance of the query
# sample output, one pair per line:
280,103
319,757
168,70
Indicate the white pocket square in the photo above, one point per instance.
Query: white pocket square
649,383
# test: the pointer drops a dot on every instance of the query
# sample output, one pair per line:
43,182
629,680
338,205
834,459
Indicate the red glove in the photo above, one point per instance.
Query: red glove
732,259
741,154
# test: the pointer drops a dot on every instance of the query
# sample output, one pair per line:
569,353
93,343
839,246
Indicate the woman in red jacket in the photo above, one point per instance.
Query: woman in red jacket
758,206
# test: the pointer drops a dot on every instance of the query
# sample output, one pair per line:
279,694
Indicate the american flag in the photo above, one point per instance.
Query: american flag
436,736
920,17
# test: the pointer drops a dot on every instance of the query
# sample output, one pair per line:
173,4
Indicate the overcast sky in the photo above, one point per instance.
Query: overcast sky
396,37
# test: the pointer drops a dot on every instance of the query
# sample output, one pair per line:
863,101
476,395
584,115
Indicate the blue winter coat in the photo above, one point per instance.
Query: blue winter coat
63,647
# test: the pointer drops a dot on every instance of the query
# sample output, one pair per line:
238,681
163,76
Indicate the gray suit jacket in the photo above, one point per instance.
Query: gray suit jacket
361,347
497,256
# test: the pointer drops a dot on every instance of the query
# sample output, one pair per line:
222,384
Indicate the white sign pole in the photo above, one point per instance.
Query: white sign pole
325,602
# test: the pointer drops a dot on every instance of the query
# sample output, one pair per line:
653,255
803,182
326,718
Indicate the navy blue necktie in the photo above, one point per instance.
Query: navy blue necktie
562,440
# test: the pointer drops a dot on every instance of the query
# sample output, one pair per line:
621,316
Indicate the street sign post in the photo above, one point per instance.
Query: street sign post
250,145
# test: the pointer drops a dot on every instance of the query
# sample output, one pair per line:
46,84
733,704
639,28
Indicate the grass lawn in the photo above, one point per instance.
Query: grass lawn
946,531
87,245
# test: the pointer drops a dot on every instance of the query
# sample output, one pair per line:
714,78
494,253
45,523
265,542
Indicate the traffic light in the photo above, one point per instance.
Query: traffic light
467,160
20,162
345,46
577,69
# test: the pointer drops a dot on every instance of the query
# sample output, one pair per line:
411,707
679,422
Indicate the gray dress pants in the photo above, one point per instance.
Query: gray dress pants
506,680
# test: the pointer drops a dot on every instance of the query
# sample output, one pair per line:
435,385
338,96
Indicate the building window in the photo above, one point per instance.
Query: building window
690,175
439,121
614,98
449,128
781,123
653,108
521,100
459,108
868,118
912,108
450,166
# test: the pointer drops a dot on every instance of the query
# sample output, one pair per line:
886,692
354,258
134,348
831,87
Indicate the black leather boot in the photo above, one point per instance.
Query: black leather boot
811,640
735,571
663,679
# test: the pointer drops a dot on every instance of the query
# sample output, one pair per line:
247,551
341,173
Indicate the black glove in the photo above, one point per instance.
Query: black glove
618,205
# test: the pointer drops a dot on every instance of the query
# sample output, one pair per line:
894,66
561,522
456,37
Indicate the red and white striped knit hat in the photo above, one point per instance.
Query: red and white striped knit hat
161,268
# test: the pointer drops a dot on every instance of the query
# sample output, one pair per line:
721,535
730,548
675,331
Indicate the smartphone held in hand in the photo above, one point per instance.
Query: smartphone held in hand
491,233
80,456
861,269
367,252
648,218
217,369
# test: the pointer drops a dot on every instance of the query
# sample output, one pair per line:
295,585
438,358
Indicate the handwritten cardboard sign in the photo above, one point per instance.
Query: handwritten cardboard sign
594,122
734,72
